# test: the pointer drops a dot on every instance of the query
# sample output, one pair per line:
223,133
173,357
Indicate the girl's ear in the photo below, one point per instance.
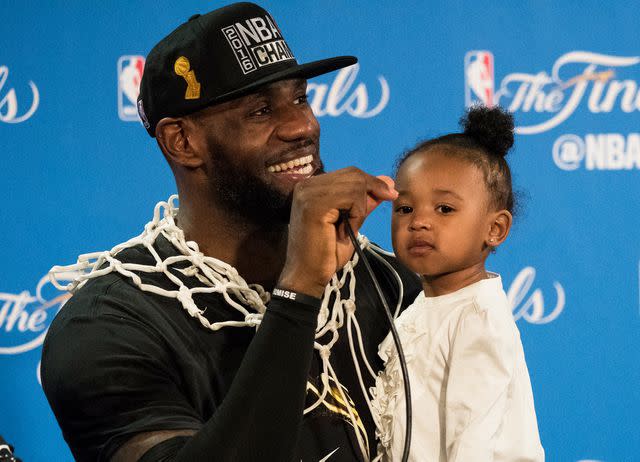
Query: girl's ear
499,228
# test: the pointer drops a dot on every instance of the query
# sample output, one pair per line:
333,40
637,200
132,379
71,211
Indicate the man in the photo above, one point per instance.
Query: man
154,358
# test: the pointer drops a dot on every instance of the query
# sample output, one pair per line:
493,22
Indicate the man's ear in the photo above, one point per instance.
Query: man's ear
176,138
499,228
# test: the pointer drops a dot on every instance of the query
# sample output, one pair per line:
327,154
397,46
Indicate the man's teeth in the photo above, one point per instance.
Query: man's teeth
302,166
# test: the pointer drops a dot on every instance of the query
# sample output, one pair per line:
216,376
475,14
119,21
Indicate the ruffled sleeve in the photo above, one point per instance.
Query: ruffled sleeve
482,361
388,392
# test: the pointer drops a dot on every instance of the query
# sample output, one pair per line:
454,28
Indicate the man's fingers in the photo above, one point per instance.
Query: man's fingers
381,194
348,189
363,201
381,188
389,182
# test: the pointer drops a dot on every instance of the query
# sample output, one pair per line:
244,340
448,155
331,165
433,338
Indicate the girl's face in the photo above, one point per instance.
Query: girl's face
441,223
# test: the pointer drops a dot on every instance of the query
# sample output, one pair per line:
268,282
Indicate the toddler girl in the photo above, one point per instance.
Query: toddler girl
471,394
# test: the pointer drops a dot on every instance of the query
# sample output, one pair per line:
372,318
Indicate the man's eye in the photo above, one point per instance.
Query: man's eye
301,99
403,209
262,111
445,209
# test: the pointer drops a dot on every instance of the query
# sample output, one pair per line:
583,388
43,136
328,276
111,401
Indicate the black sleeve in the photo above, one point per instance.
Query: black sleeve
107,376
260,417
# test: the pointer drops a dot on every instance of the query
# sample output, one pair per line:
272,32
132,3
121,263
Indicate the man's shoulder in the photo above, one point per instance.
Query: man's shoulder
113,288
118,294
140,289
389,257
384,261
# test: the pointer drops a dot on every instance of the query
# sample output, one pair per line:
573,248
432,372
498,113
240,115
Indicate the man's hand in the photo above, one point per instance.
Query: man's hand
317,247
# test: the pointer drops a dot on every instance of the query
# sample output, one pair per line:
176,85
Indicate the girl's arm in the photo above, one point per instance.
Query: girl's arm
481,366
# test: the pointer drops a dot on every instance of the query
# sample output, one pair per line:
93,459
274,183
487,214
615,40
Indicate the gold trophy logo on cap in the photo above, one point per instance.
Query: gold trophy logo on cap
182,67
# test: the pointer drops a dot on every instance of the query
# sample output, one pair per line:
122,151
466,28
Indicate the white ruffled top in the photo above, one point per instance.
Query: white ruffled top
470,387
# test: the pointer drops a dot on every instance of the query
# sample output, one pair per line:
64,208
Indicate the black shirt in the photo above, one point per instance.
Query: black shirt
118,361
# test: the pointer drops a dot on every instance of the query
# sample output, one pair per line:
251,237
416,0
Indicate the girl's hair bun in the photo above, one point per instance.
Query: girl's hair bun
492,128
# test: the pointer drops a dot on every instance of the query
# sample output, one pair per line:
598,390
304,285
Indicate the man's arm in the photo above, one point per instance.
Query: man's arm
140,444
316,250
260,416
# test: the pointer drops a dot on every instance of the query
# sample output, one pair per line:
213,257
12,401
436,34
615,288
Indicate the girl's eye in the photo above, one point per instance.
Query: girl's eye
403,209
444,209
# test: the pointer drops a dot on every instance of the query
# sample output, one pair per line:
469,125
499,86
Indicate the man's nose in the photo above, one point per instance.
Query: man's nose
297,122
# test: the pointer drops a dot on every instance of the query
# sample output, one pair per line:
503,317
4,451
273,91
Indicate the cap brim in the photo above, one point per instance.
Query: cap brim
297,71
300,71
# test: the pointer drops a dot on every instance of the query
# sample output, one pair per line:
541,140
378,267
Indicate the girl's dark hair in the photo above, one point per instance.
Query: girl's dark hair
486,139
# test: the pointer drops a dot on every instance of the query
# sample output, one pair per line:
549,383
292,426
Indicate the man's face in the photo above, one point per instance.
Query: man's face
260,146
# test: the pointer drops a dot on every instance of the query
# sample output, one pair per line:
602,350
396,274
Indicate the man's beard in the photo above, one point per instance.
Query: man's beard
248,196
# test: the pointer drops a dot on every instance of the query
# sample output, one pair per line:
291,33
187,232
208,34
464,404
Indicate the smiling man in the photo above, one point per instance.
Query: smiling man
156,357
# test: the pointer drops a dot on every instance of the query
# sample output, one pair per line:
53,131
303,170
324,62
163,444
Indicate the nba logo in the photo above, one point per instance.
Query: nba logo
478,78
129,76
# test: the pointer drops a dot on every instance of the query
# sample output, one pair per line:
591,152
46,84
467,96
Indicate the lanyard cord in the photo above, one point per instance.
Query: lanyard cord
394,334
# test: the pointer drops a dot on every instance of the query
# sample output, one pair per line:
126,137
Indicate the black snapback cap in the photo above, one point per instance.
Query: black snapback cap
216,57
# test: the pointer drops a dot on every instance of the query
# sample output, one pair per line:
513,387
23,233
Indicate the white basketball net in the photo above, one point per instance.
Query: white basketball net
217,276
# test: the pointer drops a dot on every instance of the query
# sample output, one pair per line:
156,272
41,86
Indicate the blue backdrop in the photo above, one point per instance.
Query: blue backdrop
78,175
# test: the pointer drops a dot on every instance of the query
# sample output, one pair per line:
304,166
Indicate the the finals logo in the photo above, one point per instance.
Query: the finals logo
11,109
528,303
347,96
578,80
25,316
